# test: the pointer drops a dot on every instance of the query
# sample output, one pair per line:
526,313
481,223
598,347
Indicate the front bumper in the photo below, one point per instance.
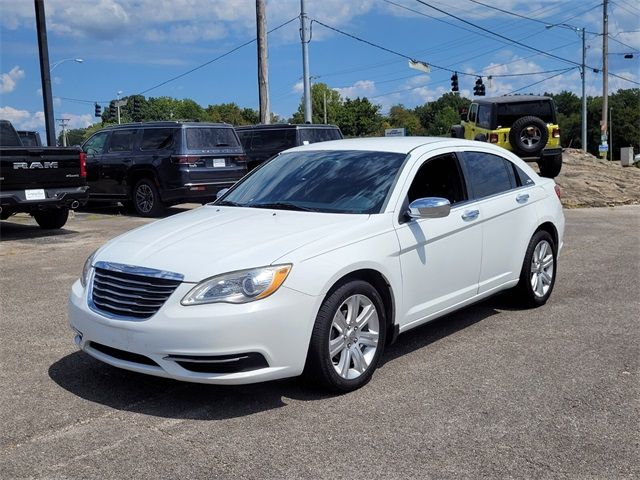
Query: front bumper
278,328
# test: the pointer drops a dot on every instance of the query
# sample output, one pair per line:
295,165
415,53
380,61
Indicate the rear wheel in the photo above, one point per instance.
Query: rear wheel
528,136
146,199
52,219
347,338
550,166
538,274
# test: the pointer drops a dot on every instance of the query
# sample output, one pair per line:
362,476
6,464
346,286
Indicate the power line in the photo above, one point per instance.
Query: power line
541,81
249,42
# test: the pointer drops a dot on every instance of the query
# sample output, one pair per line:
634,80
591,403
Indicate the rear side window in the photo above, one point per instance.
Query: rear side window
205,138
522,178
157,138
122,140
245,138
313,135
510,112
274,140
488,174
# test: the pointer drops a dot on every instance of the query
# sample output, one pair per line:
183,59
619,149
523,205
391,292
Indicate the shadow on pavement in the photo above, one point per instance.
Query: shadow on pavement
19,231
98,382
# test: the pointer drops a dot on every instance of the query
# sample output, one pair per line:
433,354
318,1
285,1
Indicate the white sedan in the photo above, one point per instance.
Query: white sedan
315,261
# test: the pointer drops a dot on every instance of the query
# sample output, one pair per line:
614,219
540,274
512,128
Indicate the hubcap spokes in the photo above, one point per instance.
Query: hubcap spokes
541,269
144,198
531,136
353,339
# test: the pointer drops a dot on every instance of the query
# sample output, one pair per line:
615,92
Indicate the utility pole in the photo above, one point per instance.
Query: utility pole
584,93
63,123
263,70
119,103
304,37
324,96
45,75
605,73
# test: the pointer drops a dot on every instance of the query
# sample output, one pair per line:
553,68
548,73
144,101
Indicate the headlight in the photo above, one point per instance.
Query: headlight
238,287
86,270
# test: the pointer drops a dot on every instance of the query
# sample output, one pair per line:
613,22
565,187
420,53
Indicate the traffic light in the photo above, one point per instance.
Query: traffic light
478,90
112,110
454,82
98,110
136,109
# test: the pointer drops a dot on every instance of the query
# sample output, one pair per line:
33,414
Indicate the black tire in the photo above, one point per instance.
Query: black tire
457,131
320,367
550,166
481,137
52,219
145,198
528,136
525,287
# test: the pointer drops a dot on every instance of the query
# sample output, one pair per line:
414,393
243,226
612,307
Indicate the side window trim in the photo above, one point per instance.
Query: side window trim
511,172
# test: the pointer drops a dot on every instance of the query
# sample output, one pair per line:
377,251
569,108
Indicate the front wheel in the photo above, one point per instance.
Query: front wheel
146,199
538,274
52,219
348,338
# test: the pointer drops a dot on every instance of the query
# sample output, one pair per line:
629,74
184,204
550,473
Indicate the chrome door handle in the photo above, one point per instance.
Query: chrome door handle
470,214
522,198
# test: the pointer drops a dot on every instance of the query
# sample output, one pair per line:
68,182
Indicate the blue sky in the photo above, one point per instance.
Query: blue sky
134,45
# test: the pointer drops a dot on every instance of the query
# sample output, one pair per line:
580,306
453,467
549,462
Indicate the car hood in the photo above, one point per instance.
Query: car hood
212,240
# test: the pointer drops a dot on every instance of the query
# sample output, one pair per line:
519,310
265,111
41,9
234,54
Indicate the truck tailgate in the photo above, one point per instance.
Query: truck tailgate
46,167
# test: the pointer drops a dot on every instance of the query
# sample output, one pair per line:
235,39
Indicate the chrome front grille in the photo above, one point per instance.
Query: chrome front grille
130,292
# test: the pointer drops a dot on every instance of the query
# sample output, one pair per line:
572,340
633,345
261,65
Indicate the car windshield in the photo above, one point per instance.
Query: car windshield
204,138
320,181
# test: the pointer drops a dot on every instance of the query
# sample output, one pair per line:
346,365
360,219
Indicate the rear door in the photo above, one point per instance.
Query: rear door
211,155
506,205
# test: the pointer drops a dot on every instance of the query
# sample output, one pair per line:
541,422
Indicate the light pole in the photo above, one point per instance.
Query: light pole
583,74
77,60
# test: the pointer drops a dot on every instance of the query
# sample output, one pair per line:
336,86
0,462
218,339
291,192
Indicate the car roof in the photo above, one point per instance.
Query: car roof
168,123
276,126
511,99
386,144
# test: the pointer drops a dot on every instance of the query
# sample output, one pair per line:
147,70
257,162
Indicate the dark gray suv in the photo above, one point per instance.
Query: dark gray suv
153,165
261,142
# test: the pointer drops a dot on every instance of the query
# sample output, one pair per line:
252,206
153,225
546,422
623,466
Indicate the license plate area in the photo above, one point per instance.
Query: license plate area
216,162
35,194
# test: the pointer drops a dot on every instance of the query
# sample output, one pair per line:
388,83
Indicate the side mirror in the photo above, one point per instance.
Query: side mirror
221,193
430,207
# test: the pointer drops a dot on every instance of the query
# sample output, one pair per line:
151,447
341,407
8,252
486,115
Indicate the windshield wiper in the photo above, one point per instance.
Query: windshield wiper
229,203
283,206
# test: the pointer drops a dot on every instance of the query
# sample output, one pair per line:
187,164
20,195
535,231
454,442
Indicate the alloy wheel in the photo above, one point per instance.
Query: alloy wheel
144,198
541,269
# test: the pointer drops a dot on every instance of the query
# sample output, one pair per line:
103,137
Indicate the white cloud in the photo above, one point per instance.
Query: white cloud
9,80
361,88
22,119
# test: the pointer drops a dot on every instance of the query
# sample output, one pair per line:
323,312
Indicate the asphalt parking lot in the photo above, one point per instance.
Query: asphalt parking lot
489,392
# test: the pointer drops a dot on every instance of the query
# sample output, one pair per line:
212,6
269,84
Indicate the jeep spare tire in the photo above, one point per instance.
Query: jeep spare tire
528,136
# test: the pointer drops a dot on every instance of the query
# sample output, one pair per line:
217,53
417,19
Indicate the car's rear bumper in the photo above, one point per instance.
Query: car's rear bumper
198,192
16,200
547,152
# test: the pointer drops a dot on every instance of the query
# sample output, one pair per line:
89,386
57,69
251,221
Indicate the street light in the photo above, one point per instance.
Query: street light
77,60
583,74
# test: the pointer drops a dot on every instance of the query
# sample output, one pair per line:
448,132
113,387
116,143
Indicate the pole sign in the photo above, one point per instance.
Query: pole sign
395,132
603,147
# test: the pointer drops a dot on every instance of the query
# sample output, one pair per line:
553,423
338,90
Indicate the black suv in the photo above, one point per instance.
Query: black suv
153,165
261,142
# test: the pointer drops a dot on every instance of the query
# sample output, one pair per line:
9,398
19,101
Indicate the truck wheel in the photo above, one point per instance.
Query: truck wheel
550,166
146,199
52,219
528,136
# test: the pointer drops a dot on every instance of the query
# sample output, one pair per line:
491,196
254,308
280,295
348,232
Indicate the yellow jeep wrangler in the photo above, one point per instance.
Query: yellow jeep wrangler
525,125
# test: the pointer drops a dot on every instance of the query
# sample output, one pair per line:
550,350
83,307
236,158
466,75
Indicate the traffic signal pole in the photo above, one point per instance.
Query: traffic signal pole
43,49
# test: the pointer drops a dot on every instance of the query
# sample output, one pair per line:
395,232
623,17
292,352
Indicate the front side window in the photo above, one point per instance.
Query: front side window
96,143
484,116
122,140
205,138
488,174
473,112
347,181
438,177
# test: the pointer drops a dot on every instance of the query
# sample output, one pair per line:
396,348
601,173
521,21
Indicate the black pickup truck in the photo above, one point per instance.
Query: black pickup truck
42,181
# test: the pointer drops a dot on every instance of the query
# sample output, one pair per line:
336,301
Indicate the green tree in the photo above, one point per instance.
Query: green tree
231,113
360,118
569,108
400,117
320,91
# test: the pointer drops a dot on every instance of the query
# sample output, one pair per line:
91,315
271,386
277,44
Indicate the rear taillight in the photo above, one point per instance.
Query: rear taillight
556,133
240,159
557,189
493,138
83,164
185,159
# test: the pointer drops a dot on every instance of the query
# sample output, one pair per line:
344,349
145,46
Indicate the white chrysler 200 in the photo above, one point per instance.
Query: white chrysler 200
316,260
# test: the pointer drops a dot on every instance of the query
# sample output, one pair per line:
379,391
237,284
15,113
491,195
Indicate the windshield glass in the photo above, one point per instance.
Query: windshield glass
321,181
203,138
